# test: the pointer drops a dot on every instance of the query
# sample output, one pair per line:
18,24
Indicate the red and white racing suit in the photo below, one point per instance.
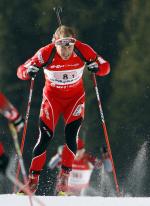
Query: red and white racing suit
10,113
64,94
7,109
1,149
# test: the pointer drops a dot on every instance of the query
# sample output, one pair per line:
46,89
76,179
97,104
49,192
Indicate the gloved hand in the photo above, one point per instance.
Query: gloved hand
18,123
104,149
106,160
104,152
32,71
4,160
93,67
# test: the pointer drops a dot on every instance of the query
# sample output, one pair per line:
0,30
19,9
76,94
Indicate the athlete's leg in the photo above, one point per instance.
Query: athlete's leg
39,151
71,133
73,116
49,115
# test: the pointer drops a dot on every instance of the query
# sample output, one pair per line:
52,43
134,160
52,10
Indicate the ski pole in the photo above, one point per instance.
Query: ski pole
18,151
25,124
58,10
105,132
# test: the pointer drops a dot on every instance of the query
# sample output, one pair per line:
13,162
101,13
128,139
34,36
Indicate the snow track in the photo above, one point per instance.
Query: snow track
16,200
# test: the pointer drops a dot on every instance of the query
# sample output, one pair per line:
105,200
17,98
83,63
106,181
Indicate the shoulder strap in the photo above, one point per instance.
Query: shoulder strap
51,57
53,52
79,54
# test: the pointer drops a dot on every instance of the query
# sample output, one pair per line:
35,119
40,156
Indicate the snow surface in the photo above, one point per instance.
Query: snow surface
16,200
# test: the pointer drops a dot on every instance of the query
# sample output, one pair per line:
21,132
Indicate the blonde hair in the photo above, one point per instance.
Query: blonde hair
64,31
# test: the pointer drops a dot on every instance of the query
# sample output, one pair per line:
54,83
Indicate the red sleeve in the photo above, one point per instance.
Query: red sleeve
90,158
104,67
3,101
39,59
7,109
91,55
1,149
95,162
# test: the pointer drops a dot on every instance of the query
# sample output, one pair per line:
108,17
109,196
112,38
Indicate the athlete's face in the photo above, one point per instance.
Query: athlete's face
65,47
65,51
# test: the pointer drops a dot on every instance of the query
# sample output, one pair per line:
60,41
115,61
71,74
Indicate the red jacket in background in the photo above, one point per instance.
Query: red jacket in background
7,109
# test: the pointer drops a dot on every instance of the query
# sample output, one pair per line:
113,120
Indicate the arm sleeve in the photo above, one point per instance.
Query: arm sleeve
1,149
95,161
104,66
91,55
7,109
39,59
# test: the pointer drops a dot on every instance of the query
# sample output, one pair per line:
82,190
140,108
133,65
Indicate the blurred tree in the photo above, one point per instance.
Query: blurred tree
129,101
17,34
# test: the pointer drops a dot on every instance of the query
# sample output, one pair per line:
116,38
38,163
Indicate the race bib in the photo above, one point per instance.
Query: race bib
79,177
65,77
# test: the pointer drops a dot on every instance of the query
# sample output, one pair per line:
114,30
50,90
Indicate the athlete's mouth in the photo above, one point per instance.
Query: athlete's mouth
66,56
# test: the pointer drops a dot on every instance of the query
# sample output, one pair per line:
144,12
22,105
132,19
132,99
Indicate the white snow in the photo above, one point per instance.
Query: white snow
16,200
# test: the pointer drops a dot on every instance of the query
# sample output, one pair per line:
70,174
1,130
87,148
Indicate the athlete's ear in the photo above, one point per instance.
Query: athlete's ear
53,38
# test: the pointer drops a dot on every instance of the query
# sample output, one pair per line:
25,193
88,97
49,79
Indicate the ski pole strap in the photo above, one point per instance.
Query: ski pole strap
76,50
79,53
51,57
58,10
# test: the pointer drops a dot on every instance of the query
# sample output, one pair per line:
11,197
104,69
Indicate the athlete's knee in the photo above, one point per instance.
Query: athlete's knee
45,136
46,133
71,132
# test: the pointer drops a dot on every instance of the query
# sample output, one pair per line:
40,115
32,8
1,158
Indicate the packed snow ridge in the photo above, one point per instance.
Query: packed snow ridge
18,200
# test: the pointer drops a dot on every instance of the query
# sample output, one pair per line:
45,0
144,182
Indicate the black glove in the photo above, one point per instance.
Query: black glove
92,67
104,152
4,160
18,123
104,149
106,159
32,71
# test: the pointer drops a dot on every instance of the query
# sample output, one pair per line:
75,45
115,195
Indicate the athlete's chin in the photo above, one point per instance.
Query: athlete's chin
65,57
